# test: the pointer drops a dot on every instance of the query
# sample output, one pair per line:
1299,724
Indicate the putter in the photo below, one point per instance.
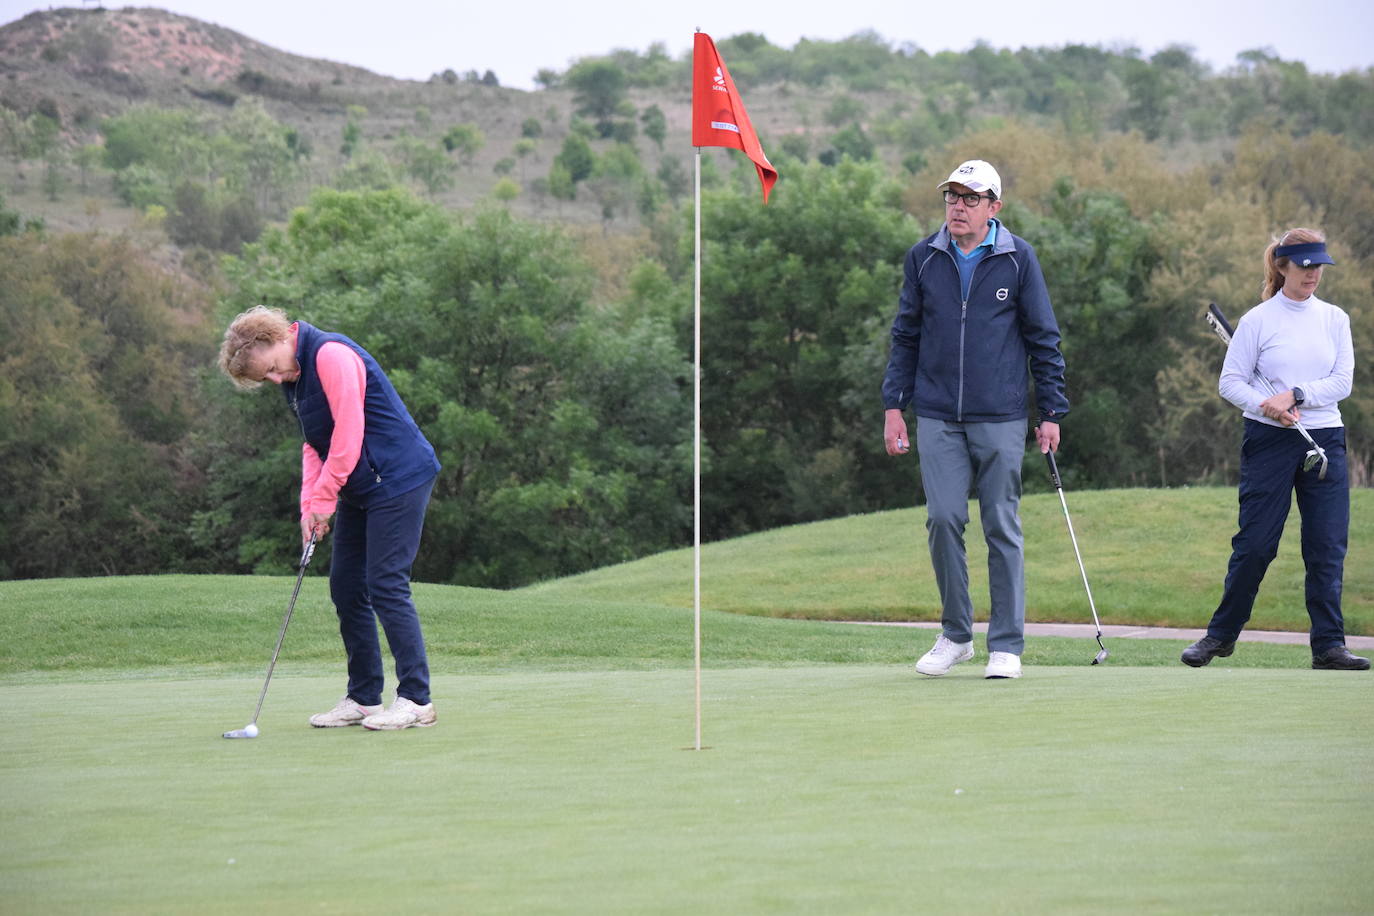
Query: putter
1316,455
251,729
1102,655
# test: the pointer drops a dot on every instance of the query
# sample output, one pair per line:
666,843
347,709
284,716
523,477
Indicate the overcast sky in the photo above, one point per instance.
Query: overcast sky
414,39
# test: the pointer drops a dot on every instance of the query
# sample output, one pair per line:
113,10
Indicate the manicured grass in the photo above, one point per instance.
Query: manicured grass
1154,558
170,626
835,779
831,789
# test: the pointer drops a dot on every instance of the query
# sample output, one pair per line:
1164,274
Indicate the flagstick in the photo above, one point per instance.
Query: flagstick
696,453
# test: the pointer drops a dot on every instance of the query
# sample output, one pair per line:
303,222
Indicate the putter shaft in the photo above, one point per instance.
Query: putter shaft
306,554
1059,488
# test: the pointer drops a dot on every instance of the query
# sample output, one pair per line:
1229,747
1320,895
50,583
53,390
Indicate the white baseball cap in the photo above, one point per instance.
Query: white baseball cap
977,176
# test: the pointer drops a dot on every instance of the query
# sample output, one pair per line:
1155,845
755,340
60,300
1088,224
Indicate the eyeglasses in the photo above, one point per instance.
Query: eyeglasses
970,200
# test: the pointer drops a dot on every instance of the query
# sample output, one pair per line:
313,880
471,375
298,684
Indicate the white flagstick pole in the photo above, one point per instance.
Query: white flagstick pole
696,454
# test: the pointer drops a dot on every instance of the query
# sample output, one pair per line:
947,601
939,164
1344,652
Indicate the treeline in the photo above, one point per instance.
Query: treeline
551,366
564,421
1169,94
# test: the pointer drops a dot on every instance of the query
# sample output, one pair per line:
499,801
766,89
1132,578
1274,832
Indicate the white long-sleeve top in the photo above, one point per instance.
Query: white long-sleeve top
1293,344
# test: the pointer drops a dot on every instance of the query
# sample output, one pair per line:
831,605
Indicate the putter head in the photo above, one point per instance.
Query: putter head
238,733
1100,657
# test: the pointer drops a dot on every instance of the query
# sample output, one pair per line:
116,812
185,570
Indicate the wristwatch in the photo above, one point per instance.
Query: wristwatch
1298,397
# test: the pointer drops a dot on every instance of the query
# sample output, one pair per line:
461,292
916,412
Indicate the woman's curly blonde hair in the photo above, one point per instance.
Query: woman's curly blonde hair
258,327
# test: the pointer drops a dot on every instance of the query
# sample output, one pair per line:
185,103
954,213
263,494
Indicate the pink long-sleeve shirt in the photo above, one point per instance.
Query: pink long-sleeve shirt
344,380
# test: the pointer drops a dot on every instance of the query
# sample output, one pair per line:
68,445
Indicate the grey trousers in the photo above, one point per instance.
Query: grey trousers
984,458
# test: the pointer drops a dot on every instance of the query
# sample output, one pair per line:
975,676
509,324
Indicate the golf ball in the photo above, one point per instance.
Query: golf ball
251,731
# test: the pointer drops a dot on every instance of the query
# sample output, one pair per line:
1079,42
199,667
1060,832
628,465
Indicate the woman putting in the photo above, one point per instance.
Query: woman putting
364,457
1290,360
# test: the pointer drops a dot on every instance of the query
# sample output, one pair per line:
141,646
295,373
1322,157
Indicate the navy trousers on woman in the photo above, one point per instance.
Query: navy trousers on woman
369,580
1270,471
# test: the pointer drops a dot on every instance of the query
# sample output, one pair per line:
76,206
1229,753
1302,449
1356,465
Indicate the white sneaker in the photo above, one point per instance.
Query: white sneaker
402,714
945,654
346,712
1003,664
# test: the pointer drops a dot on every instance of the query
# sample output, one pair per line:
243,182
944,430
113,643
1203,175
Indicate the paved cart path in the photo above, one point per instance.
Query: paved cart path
1087,630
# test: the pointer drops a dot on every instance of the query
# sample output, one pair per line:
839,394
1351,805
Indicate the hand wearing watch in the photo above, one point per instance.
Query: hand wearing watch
1298,397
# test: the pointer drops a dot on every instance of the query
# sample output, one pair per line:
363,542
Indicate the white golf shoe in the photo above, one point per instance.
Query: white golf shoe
346,712
402,714
945,654
1002,664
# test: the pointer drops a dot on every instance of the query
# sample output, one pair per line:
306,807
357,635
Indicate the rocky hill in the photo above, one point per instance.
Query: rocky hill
98,61
82,66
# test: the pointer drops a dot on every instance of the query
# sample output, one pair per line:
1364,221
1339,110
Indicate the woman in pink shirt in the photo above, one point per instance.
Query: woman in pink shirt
367,470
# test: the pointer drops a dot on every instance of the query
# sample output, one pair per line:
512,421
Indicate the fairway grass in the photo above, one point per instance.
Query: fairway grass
824,789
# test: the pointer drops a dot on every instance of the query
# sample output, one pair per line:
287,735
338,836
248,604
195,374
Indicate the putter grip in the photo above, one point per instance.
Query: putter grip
308,552
1054,470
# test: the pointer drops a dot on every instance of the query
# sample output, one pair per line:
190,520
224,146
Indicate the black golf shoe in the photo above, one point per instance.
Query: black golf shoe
1338,658
1206,649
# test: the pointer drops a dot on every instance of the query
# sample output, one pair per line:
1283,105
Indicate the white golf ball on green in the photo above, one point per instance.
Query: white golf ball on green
252,730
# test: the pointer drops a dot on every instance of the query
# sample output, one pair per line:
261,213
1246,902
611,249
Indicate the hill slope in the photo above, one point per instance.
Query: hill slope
96,61
1154,558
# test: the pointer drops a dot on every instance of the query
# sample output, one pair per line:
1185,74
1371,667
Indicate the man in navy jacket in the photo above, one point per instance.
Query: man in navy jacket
973,315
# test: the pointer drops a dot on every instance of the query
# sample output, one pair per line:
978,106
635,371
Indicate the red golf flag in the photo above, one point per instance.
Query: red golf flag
718,115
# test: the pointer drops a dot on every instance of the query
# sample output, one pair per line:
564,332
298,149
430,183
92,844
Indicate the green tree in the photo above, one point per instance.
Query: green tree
88,159
465,139
599,89
576,158
353,131
170,141
655,125
505,190
562,431
97,350
256,156
796,300
523,149
426,163
853,142
560,183
1098,260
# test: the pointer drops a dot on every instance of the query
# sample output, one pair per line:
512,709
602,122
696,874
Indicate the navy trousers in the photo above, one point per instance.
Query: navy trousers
1270,470
369,580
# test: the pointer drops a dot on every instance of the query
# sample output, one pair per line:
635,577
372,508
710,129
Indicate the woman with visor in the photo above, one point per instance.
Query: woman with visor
1290,361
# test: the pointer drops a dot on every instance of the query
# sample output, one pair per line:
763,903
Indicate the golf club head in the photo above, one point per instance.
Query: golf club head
1101,657
1315,457
248,731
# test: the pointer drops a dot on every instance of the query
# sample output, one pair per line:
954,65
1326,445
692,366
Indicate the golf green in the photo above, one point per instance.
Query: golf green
823,789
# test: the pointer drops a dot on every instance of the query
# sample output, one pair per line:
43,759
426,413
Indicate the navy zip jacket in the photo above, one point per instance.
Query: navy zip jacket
396,457
966,361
